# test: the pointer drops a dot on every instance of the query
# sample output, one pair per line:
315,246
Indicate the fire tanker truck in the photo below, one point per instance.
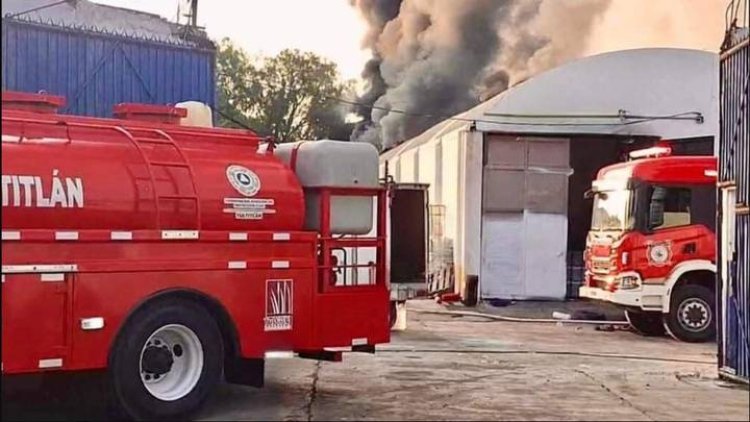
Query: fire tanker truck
173,255
651,248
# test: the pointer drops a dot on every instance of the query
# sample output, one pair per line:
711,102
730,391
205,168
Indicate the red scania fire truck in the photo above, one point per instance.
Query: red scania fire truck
174,255
651,248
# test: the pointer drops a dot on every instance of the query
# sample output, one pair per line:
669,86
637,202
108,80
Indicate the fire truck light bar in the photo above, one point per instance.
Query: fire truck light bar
651,152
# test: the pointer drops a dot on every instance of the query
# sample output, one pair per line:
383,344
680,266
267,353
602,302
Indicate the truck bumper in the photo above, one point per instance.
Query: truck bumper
648,297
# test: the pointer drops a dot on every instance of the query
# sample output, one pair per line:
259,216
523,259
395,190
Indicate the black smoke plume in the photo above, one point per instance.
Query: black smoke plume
434,58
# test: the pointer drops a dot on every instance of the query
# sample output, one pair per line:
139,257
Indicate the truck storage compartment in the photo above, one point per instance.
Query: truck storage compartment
335,164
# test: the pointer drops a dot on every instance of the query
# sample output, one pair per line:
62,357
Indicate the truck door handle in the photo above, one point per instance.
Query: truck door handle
689,249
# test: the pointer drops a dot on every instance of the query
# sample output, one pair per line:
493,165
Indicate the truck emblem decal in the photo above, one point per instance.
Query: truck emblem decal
659,254
29,191
244,180
249,208
279,309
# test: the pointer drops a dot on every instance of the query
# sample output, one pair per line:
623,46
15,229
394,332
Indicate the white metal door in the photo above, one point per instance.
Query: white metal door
502,272
524,218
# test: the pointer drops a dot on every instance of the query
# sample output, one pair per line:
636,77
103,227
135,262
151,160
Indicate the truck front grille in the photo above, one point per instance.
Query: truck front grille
601,265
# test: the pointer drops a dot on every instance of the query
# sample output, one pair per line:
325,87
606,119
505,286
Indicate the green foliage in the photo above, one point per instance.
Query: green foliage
290,96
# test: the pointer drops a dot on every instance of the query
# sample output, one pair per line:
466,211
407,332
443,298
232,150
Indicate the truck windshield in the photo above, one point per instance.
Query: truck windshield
612,210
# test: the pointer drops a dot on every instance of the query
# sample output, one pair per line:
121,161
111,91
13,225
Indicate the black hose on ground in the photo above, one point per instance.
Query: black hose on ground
514,319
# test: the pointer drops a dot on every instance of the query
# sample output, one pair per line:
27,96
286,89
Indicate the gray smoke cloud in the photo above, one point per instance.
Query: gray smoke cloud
441,57
377,14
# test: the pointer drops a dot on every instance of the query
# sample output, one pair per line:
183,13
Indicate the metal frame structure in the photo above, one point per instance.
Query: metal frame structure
733,203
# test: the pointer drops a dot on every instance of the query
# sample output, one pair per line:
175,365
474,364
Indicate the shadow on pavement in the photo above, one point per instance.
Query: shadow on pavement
80,396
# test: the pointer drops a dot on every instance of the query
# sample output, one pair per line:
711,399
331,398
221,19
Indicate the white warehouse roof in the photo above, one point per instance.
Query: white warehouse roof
587,96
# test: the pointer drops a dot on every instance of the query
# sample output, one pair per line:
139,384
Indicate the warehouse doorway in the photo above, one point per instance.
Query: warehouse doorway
588,154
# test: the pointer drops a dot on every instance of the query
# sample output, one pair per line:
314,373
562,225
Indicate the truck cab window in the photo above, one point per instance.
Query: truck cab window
669,207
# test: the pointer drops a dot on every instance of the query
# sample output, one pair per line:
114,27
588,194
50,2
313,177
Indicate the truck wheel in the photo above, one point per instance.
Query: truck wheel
691,315
166,361
646,323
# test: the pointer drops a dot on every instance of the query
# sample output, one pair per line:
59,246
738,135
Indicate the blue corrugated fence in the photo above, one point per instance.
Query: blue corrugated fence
97,70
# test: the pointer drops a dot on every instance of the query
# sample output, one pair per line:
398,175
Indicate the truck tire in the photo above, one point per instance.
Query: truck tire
646,323
167,360
692,314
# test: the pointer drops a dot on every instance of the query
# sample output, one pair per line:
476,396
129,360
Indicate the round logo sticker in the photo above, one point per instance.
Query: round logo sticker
659,254
244,180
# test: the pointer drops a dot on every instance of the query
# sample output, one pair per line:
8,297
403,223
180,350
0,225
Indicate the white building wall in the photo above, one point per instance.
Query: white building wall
407,170
428,167
471,204
450,147
441,159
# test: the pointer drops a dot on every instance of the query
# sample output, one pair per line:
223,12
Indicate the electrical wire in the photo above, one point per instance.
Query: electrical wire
637,119
235,121
36,9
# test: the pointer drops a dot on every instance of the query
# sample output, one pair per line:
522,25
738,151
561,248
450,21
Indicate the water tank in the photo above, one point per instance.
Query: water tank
328,163
72,172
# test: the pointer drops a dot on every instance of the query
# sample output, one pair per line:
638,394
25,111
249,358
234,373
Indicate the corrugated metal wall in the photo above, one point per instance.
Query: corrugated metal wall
734,174
95,70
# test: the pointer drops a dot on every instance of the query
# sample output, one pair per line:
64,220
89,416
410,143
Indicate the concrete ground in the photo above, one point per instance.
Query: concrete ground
458,368
540,309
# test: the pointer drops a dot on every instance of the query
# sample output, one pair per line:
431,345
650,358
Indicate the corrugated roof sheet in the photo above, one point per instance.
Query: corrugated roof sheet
86,15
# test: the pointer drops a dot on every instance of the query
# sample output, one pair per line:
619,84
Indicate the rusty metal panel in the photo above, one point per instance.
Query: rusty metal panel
526,173
547,193
548,153
505,152
504,190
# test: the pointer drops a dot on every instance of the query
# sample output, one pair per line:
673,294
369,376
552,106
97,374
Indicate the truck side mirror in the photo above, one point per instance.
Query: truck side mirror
656,208
656,214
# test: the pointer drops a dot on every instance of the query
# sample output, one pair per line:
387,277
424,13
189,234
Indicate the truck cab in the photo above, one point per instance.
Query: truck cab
651,249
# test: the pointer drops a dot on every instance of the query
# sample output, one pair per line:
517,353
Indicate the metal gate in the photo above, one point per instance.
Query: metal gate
734,190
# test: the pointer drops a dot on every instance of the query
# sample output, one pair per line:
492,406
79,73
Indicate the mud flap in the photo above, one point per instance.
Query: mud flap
248,372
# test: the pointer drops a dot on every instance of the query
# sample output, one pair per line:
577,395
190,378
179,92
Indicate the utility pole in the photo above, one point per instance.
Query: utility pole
194,13
187,12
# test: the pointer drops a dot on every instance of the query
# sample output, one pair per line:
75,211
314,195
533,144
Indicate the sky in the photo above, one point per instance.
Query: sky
330,28
334,29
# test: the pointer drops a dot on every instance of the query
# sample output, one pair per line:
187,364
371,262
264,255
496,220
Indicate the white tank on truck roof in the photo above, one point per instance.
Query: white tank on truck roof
328,163
198,114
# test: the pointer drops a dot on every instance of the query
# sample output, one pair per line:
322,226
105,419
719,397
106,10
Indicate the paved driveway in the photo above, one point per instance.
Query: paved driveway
447,368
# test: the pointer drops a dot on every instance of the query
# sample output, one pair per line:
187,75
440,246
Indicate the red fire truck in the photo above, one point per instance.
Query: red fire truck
173,255
651,248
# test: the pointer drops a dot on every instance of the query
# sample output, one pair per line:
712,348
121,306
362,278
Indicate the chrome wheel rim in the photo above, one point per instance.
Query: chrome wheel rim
171,362
694,314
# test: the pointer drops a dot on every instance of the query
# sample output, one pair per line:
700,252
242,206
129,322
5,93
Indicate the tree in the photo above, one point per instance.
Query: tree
291,96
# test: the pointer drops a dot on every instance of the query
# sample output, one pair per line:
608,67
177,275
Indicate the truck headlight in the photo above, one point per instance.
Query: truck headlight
629,283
